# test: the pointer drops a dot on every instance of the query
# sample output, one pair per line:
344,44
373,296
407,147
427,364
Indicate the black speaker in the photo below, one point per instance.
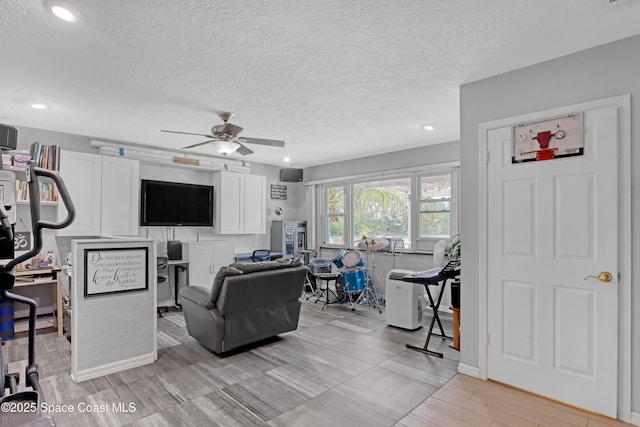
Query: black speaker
174,250
290,175
8,137
455,294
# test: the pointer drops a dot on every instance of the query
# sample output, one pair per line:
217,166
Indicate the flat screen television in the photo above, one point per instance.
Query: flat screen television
175,204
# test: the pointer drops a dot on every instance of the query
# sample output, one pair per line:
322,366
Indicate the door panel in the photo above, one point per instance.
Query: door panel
573,215
519,320
574,346
551,224
519,225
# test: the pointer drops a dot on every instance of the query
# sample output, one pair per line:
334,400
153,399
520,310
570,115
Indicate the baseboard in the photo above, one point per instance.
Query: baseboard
472,371
112,368
635,418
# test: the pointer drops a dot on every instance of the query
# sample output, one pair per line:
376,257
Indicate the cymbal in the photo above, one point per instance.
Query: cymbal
372,244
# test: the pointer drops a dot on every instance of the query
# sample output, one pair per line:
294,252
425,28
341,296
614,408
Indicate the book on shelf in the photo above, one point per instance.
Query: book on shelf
46,156
48,191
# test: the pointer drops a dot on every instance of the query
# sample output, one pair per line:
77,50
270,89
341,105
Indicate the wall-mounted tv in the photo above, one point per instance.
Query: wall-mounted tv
175,204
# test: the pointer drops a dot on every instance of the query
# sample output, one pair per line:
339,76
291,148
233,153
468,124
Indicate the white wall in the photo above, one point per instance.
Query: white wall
116,331
597,73
293,207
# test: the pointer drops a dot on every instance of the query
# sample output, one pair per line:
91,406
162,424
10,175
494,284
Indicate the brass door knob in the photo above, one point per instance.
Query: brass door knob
604,276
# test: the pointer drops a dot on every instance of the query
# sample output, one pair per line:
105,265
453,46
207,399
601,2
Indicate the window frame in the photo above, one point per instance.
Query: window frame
345,214
418,244
427,243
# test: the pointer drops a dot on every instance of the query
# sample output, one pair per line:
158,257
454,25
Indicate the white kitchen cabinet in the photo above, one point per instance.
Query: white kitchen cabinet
120,196
105,192
205,259
255,209
240,203
82,175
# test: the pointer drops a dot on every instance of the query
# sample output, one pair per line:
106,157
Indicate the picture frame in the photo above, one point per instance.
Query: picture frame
548,139
115,270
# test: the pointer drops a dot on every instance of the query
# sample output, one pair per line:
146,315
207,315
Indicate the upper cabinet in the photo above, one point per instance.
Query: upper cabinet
105,192
120,196
82,175
240,203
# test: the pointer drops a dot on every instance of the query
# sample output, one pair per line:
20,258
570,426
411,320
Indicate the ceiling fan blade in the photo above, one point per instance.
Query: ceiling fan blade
243,150
230,129
261,141
188,133
199,144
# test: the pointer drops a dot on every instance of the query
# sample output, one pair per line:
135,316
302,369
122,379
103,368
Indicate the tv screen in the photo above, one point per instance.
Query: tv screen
175,204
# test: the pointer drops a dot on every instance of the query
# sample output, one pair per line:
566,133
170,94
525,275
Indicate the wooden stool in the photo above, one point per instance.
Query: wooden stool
456,328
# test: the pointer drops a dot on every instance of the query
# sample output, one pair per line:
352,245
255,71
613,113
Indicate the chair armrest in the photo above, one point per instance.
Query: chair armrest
198,295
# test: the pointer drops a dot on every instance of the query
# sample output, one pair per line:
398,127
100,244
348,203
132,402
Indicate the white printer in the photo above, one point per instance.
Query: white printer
405,301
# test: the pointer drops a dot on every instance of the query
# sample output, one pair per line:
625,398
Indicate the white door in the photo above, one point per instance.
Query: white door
201,270
223,254
551,224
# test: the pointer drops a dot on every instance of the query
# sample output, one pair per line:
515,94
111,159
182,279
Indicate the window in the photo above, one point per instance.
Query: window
382,209
435,206
413,210
335,215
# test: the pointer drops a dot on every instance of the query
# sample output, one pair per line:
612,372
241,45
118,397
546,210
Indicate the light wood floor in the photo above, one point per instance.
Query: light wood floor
340,368
467,401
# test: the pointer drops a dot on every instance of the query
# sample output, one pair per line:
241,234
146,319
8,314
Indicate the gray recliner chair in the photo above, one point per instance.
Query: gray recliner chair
248,302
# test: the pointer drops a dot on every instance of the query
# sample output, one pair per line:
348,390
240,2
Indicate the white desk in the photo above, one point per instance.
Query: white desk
179,265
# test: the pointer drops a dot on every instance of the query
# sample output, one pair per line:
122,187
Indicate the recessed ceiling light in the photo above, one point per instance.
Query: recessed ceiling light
428,127
64,11
286,159
38,106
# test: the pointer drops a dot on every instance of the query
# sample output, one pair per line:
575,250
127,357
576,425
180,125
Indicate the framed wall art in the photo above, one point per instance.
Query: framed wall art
115,270
548,139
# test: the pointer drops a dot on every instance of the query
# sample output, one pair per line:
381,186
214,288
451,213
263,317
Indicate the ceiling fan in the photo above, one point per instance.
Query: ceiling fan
226,140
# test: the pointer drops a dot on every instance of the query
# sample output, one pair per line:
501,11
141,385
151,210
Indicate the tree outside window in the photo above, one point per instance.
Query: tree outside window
382,209
335,215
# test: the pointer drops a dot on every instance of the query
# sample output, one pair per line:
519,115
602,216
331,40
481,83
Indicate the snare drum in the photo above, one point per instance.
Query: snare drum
352,258
355,279
338,260
319,265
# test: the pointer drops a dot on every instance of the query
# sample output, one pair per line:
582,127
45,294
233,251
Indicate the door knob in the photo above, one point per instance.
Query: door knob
604,276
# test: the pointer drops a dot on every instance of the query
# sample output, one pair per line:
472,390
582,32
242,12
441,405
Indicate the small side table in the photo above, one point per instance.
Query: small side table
456,328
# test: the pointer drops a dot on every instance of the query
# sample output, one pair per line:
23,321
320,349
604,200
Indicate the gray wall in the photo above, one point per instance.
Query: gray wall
421,156
601,72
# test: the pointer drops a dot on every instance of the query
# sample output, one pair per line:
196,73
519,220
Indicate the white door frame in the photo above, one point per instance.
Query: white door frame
623,102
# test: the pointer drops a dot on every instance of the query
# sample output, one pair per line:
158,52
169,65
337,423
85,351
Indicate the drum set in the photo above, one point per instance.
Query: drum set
353,283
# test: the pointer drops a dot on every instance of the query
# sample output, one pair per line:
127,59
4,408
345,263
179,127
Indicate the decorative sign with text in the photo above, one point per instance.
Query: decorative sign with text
109,271
278,192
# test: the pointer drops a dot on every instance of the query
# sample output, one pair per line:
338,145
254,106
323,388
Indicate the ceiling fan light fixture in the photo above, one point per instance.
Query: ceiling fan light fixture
226,147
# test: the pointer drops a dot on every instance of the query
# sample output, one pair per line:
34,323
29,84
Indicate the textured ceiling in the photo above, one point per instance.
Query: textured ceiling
335,80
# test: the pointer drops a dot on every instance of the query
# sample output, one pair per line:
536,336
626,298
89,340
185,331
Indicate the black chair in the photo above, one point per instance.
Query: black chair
261,255
162,265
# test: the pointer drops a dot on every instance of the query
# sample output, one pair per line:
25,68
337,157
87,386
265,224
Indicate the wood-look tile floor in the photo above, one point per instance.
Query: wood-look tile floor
340,368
